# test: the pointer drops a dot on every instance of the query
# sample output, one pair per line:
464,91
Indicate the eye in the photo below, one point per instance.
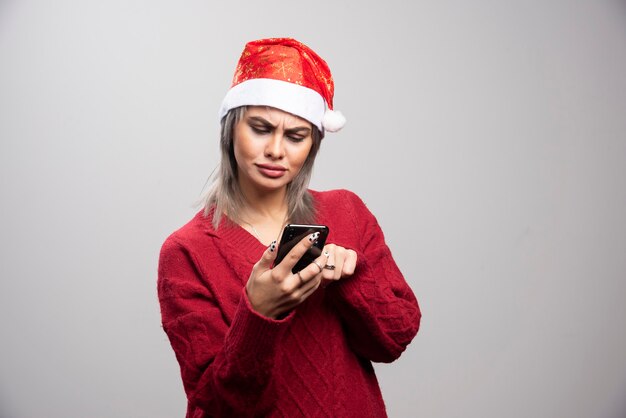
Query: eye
261,130
296,138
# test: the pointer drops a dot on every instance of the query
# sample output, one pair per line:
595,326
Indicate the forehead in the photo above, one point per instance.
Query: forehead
276,116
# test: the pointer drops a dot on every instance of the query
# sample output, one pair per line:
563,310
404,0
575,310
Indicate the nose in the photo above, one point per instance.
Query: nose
274,148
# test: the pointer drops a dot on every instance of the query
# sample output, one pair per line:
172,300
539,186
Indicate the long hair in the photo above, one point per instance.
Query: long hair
225,196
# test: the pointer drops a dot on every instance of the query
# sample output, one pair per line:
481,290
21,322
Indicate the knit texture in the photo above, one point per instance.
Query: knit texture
316,361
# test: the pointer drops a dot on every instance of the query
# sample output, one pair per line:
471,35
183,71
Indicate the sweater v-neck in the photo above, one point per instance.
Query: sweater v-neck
238,238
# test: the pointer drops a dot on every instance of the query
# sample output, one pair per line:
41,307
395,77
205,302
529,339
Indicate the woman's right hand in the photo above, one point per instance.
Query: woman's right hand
274,291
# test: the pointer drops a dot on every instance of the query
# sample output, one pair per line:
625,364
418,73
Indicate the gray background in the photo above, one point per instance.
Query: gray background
487,137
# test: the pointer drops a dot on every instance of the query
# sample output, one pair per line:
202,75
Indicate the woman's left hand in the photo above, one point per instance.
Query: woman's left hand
343,260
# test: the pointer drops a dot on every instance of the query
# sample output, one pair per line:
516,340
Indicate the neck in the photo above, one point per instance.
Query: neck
263,206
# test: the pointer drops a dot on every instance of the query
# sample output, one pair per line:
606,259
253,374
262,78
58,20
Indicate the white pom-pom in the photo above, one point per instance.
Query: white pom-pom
333,120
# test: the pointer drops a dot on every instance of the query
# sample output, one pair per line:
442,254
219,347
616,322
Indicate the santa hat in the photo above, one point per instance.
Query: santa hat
288,75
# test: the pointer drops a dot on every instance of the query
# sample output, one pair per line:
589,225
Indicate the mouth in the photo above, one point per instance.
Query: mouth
271,170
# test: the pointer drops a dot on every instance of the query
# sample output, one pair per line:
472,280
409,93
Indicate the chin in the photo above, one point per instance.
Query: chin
271,184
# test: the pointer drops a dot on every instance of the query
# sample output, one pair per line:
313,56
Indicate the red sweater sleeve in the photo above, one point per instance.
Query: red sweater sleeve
379,310
226,363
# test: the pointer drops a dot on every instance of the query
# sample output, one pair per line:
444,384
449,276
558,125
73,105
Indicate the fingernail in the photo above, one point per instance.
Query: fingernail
314,236
272,246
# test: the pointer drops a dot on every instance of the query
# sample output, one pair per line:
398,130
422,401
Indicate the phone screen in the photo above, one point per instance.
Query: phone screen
294,233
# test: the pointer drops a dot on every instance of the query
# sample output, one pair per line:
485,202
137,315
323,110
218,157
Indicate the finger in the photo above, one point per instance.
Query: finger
306,275
349,265
299,287
312,287
339,261
311,283
329,273
265,263
308,288
301,294
311,272
320,262
292,257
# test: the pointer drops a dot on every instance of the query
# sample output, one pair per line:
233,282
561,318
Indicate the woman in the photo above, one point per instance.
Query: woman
254,339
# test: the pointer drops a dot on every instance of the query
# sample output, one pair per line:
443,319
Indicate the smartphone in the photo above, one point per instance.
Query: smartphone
292,234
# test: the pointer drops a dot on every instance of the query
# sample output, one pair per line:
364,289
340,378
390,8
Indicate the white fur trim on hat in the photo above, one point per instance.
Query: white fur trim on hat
333,120
289,97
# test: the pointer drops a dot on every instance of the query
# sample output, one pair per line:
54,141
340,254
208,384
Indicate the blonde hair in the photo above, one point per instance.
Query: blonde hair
225,196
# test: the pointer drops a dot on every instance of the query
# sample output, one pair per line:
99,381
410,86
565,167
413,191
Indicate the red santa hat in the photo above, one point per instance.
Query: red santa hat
288,75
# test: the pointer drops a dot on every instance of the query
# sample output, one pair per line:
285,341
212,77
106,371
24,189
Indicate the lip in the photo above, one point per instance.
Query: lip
271,170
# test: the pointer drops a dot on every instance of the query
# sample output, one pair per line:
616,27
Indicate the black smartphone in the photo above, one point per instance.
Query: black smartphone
292,234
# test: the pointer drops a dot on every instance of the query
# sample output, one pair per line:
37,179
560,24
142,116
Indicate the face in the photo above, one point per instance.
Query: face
270,147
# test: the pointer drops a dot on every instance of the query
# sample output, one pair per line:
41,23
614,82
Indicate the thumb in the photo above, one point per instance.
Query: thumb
265,263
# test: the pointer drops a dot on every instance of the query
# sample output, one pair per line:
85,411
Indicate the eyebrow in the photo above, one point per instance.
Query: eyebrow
297,129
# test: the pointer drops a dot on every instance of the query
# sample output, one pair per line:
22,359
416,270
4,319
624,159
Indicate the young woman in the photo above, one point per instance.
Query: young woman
252,338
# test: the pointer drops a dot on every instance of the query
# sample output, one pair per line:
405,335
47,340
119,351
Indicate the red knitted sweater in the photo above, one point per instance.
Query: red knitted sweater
315,362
